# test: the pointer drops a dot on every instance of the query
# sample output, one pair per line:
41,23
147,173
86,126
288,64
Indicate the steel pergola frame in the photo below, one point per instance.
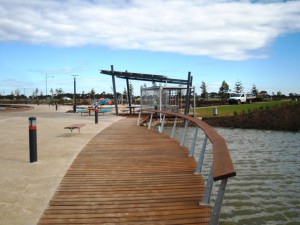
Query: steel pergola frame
145,77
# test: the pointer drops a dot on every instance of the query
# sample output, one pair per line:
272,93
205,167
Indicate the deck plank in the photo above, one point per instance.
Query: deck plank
129,175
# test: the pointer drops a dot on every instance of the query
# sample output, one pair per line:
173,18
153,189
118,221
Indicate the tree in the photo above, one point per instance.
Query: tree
223,91
36,92
11,96
204,93
238,87
59,93
293,96
83,96
103,94
33,94
264,93
52,92
124,95
254,90
17,93
92,93
213,94
131,89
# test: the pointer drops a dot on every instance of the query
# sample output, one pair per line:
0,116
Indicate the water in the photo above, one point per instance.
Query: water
266,189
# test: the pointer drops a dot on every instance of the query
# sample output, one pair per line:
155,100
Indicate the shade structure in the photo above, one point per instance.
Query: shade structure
145,77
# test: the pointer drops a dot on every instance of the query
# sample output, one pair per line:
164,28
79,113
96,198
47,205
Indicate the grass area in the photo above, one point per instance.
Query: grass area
231,110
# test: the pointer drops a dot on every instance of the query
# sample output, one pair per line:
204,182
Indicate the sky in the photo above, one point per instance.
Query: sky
44,42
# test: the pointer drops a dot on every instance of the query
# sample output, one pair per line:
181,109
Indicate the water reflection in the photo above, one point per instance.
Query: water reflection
267,187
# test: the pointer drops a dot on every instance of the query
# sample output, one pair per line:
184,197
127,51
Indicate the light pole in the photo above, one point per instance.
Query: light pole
47,86
74,96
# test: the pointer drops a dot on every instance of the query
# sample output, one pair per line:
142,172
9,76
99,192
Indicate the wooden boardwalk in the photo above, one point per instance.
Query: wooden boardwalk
129,175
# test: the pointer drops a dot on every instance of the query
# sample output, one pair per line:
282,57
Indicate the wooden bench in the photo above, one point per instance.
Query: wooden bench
75,126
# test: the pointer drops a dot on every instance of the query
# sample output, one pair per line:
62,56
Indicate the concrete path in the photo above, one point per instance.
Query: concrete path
26,188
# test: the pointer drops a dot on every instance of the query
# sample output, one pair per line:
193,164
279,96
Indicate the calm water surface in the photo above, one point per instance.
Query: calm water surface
266,189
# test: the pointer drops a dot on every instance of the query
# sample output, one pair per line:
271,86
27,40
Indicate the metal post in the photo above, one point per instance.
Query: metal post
74,95
128,95
194,109
32,140
208,187
160,102
192,149
201,156
150,122
114,88
46,88
187,96
216,212
96,114
191,83
139,119
184,133
56,106
174,128
162,124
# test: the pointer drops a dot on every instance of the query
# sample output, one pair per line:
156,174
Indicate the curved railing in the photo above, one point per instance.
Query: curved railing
222,167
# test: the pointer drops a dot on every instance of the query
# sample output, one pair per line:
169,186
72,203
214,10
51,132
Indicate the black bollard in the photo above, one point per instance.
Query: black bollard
96,115
32,140
56,106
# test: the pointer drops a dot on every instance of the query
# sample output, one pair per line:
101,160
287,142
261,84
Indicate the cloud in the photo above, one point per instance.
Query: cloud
14,84
228,30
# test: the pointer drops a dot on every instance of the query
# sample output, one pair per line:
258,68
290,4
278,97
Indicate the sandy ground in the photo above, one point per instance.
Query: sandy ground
26,188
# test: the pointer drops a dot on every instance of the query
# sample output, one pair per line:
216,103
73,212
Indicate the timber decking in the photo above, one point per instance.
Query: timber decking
129,175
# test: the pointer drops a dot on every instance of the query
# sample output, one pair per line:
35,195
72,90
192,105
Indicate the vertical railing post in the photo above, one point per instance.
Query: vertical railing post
216,212
192,149
162,124
150,122
174,128
139,119
208,187
184,133
201,156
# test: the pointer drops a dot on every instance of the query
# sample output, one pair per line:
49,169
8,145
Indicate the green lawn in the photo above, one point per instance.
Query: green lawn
230,110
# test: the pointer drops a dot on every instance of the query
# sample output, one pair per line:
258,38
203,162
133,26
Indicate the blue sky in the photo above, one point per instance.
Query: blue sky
254,42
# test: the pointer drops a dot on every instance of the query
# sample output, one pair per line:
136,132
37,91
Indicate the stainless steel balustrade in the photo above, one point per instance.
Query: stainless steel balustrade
216,211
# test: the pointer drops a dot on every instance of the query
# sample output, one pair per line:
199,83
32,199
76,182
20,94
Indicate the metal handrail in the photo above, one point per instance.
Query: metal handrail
222,167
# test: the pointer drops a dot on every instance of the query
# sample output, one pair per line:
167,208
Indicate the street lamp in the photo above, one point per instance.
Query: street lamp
74,96
47,86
